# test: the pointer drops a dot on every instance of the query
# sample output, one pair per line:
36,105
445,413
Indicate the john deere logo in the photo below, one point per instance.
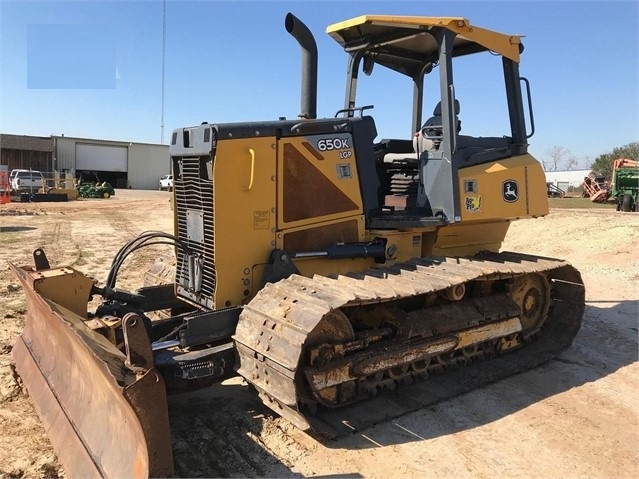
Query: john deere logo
510,191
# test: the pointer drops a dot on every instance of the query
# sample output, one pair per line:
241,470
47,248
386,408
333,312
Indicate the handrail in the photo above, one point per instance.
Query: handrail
337,123
252,153
354,109
530,109
451,122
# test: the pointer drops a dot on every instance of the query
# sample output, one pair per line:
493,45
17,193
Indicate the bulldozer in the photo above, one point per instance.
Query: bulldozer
324,266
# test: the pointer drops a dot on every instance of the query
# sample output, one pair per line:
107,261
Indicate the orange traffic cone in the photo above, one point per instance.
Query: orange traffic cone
4,188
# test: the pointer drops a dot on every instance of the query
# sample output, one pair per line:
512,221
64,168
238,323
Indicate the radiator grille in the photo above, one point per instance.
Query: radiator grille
193,183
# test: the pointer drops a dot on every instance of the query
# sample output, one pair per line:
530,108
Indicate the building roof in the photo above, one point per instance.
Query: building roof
25,142
101,140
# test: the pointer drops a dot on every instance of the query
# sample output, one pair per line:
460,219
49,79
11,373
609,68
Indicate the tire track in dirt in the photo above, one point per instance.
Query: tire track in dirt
37,229
77,234
49,240
126,226
217,432
225,430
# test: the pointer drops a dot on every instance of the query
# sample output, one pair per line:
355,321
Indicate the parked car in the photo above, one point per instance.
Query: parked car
166,183
26,180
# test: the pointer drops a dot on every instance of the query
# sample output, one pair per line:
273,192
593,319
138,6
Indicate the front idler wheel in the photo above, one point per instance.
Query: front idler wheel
531,292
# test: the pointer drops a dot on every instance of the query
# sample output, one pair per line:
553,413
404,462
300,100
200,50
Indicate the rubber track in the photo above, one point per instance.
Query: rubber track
274,325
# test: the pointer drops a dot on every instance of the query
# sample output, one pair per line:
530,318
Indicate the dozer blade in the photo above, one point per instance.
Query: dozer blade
105,412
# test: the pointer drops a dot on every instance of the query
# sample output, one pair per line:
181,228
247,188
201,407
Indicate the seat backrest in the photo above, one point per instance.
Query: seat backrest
430,136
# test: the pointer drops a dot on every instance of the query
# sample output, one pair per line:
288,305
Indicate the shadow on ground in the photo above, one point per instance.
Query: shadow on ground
217,431
16,229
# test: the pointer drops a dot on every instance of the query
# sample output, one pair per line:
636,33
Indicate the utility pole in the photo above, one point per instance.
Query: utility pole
163,62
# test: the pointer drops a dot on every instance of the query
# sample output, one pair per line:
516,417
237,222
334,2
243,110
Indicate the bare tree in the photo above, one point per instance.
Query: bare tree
571,163
556,154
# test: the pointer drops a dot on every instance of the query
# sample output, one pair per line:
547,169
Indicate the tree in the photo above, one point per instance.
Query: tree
603,163
571,163
556,154
559,155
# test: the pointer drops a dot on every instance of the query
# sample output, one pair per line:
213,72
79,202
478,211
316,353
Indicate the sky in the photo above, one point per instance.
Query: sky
93,69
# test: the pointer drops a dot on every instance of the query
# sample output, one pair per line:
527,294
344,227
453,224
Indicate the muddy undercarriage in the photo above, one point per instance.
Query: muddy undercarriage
310,345
314,348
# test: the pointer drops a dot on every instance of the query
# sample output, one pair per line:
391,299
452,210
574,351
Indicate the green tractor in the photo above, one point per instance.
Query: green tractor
95,190
625,184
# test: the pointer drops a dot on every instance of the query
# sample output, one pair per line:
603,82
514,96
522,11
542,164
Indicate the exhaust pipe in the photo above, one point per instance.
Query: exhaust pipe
304,37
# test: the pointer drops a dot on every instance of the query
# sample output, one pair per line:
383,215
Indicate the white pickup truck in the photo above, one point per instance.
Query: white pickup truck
166,183
26,180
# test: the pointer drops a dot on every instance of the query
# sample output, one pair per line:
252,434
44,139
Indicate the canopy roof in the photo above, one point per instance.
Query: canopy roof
405,44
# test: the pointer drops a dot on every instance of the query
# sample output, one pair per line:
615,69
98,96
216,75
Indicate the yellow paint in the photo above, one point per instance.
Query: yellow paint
461,239
254,216
400,245
244,204
252,177
485,214
65,286
532,200
505,45
279,242
331,267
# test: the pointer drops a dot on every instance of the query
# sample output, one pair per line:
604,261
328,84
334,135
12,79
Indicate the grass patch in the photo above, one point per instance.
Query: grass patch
582,203
11,239
82,257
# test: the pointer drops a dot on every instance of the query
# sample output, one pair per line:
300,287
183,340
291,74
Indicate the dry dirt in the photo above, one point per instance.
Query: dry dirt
576,416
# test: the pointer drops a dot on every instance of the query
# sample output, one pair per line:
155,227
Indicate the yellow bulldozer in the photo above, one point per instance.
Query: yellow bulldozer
324,266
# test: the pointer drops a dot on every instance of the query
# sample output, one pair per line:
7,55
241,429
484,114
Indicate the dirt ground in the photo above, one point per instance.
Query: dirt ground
576,416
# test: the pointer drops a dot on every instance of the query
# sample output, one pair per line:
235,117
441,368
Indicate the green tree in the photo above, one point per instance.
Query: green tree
603,163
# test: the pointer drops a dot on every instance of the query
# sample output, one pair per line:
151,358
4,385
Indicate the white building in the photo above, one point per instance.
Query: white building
123,164
566,179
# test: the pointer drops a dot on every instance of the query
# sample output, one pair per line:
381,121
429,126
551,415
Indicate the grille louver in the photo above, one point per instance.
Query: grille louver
193,185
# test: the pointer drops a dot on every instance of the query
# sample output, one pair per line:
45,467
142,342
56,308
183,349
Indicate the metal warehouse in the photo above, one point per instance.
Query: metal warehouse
26,152
564,179
123,164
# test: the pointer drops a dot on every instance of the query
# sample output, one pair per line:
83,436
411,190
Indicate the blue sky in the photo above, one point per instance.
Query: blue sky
93,68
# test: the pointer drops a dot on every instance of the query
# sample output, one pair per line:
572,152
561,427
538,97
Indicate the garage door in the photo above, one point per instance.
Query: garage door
100,158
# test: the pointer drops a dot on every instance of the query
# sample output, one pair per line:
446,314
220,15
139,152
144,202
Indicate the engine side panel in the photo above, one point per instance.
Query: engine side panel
318,180
245,218
506,189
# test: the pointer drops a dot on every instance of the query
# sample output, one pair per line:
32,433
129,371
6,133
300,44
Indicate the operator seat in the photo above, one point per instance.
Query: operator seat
431,134
428,138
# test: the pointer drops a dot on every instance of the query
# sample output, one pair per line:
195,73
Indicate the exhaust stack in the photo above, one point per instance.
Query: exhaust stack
304,37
